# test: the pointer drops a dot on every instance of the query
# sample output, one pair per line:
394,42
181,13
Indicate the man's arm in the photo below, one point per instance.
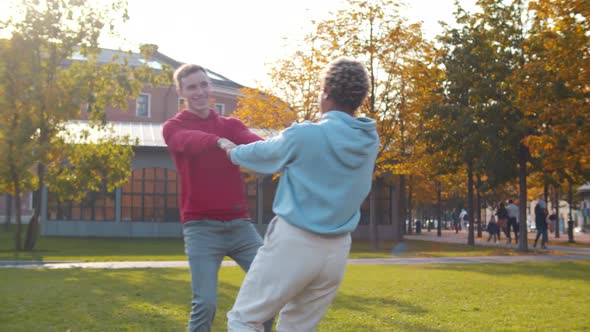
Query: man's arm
187,141
241,134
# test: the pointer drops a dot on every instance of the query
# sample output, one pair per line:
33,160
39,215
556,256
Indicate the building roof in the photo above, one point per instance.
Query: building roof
148,135
156,62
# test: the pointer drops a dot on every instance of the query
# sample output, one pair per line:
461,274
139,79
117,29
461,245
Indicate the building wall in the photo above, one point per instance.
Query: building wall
164,103
229,101
26,208
123,223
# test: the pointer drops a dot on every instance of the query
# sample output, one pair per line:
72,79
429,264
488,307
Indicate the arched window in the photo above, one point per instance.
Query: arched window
150,195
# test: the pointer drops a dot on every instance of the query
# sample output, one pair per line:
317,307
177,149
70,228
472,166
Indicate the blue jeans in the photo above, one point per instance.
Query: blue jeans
206,243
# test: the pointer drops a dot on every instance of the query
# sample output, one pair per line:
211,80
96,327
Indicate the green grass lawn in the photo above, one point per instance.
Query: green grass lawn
469,297
418,248
563,242
122,249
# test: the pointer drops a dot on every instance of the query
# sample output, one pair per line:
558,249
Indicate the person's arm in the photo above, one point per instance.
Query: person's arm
240,134
266,157
187,141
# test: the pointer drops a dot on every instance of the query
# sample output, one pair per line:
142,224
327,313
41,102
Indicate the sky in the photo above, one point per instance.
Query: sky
240,39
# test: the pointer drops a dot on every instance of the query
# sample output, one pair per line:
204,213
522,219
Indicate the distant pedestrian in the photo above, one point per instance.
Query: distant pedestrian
456,220
464,218
512,210
551,224
493,229
541,223
502,215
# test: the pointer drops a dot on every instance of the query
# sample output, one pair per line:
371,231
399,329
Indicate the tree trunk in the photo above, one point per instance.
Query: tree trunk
438,209
395,214
402,205
522,173
33,229
546,192
17,198
428,217
556,195
409,206
373,231
478,209
471,233
485,210
8,220
547,197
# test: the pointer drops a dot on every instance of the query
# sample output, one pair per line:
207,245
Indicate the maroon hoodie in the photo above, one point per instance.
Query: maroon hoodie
211,186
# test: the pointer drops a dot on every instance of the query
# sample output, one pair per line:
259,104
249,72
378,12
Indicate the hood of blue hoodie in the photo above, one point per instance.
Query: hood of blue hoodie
351,139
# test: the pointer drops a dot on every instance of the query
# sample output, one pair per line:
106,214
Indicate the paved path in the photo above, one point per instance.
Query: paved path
570,254
461,238
364,261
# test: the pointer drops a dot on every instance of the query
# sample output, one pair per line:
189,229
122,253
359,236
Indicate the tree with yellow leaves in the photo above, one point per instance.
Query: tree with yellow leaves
555,90
264,111
48,72
400,64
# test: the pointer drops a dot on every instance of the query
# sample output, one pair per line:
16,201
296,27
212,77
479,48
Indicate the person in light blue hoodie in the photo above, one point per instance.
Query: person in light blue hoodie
326,173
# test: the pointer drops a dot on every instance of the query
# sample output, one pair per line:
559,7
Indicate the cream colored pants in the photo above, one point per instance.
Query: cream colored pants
296,272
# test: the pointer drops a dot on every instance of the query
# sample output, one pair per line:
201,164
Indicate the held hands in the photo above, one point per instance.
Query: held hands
225,145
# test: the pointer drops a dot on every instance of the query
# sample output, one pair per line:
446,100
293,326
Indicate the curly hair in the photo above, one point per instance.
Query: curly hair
184,71
346,81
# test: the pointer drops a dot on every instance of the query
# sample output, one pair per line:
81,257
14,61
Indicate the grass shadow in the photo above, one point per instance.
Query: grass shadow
98,300
362,303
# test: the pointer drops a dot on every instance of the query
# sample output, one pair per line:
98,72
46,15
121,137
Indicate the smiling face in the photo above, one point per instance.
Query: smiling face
195,89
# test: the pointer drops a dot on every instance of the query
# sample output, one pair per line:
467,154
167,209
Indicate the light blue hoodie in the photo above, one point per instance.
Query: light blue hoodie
326,166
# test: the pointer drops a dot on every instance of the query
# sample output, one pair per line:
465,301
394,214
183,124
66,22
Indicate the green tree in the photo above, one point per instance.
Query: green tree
399,62
555,89
480,123
16,130
55,75
293,92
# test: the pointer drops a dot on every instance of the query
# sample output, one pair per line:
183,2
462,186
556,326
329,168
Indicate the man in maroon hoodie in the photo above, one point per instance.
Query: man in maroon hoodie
214,211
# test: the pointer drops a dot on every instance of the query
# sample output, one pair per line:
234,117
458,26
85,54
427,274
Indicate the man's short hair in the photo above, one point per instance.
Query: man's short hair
184,71
346,81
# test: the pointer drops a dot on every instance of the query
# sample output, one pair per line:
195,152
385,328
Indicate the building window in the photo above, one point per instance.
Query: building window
142,105
150,195
97,206
220,108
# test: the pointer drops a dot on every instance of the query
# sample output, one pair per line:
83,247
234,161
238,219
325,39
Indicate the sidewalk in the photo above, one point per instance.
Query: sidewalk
461,238
578,237
363,261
